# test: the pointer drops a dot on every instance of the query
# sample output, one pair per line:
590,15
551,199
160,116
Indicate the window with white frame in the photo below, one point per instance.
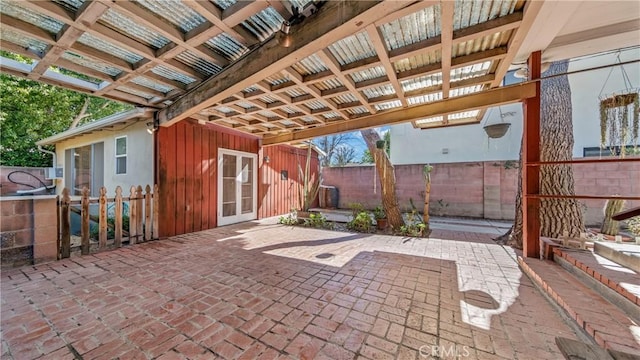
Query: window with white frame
121,155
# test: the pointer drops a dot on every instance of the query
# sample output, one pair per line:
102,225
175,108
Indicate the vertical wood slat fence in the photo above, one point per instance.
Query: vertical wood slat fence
143,219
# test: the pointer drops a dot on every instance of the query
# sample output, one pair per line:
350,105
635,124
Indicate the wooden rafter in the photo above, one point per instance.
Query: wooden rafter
446,38
499,96
336,20
204,98
381,50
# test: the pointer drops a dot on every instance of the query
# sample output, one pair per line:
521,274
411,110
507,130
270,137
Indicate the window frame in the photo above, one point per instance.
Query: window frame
117,156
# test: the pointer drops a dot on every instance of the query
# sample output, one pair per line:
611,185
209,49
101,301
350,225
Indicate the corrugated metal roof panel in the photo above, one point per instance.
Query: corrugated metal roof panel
287,122
90,63
42,21
315,105
246,105
227,46
264,23
71,5
470,71
308,119
174,12
352,48
290,109
268,99
423,99
250,89
202,66
224,109
464,115
328,84
358,110
295,92
131,28
418,61
412,28
28,43
267,114
464,90
435,119
422,82
379,91
309,65
276,79
135,92
482,44
140,80
472,12
368,74
344,98
330,115
109,48
172,75
388,105
223,4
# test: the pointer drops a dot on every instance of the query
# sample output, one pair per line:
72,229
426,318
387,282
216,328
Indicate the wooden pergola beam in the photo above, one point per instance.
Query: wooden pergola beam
531,174
335,20
493,97
446,36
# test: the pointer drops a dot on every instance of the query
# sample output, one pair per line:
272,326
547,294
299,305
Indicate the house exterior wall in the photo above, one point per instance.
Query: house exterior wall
470,143
188,175
276,195
139,156
479,189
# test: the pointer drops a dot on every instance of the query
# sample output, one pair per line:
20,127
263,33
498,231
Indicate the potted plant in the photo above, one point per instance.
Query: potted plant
381,217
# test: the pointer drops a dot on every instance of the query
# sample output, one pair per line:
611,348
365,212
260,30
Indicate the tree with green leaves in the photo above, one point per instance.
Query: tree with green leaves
31,111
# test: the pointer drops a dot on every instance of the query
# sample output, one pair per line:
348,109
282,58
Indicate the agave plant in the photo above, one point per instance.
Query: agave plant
310,184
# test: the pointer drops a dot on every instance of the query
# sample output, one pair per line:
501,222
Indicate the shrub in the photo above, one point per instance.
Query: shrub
361,222
317,221
288,220
414,226
379,213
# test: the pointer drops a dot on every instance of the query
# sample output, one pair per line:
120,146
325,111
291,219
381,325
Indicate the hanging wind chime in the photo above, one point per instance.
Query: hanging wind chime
619,115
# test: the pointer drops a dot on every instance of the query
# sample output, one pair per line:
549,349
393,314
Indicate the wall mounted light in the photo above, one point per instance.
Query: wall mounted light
284,38
267,159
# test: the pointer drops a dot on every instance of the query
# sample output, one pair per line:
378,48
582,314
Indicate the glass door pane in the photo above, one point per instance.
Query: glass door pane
229,198
247,185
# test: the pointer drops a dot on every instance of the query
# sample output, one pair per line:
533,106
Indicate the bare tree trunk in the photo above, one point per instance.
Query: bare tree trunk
427,194
556,144
387,175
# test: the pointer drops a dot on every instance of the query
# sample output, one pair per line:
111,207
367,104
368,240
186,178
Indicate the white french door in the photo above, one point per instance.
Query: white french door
237,186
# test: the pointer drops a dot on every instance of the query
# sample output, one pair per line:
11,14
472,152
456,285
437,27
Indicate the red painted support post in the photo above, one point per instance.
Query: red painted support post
531,174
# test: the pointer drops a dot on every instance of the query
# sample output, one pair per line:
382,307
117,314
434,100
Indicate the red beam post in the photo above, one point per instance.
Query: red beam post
531,174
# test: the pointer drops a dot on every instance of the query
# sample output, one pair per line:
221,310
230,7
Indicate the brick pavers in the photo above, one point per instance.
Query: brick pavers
266,291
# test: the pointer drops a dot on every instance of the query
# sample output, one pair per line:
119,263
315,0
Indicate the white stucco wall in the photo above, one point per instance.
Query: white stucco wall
139,156
470,142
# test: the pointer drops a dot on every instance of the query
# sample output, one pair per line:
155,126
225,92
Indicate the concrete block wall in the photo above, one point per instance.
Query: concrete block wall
28,230
479,189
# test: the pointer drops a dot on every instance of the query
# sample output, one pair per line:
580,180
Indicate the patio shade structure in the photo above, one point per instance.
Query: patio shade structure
347,65
222,61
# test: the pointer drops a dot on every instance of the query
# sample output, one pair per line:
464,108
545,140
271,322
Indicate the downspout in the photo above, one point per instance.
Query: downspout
49,152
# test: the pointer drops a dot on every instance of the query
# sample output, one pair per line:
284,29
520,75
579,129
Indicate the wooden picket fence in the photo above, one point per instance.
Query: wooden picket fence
143,219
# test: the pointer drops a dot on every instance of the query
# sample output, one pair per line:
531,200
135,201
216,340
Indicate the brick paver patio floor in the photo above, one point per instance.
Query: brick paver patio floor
266,291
